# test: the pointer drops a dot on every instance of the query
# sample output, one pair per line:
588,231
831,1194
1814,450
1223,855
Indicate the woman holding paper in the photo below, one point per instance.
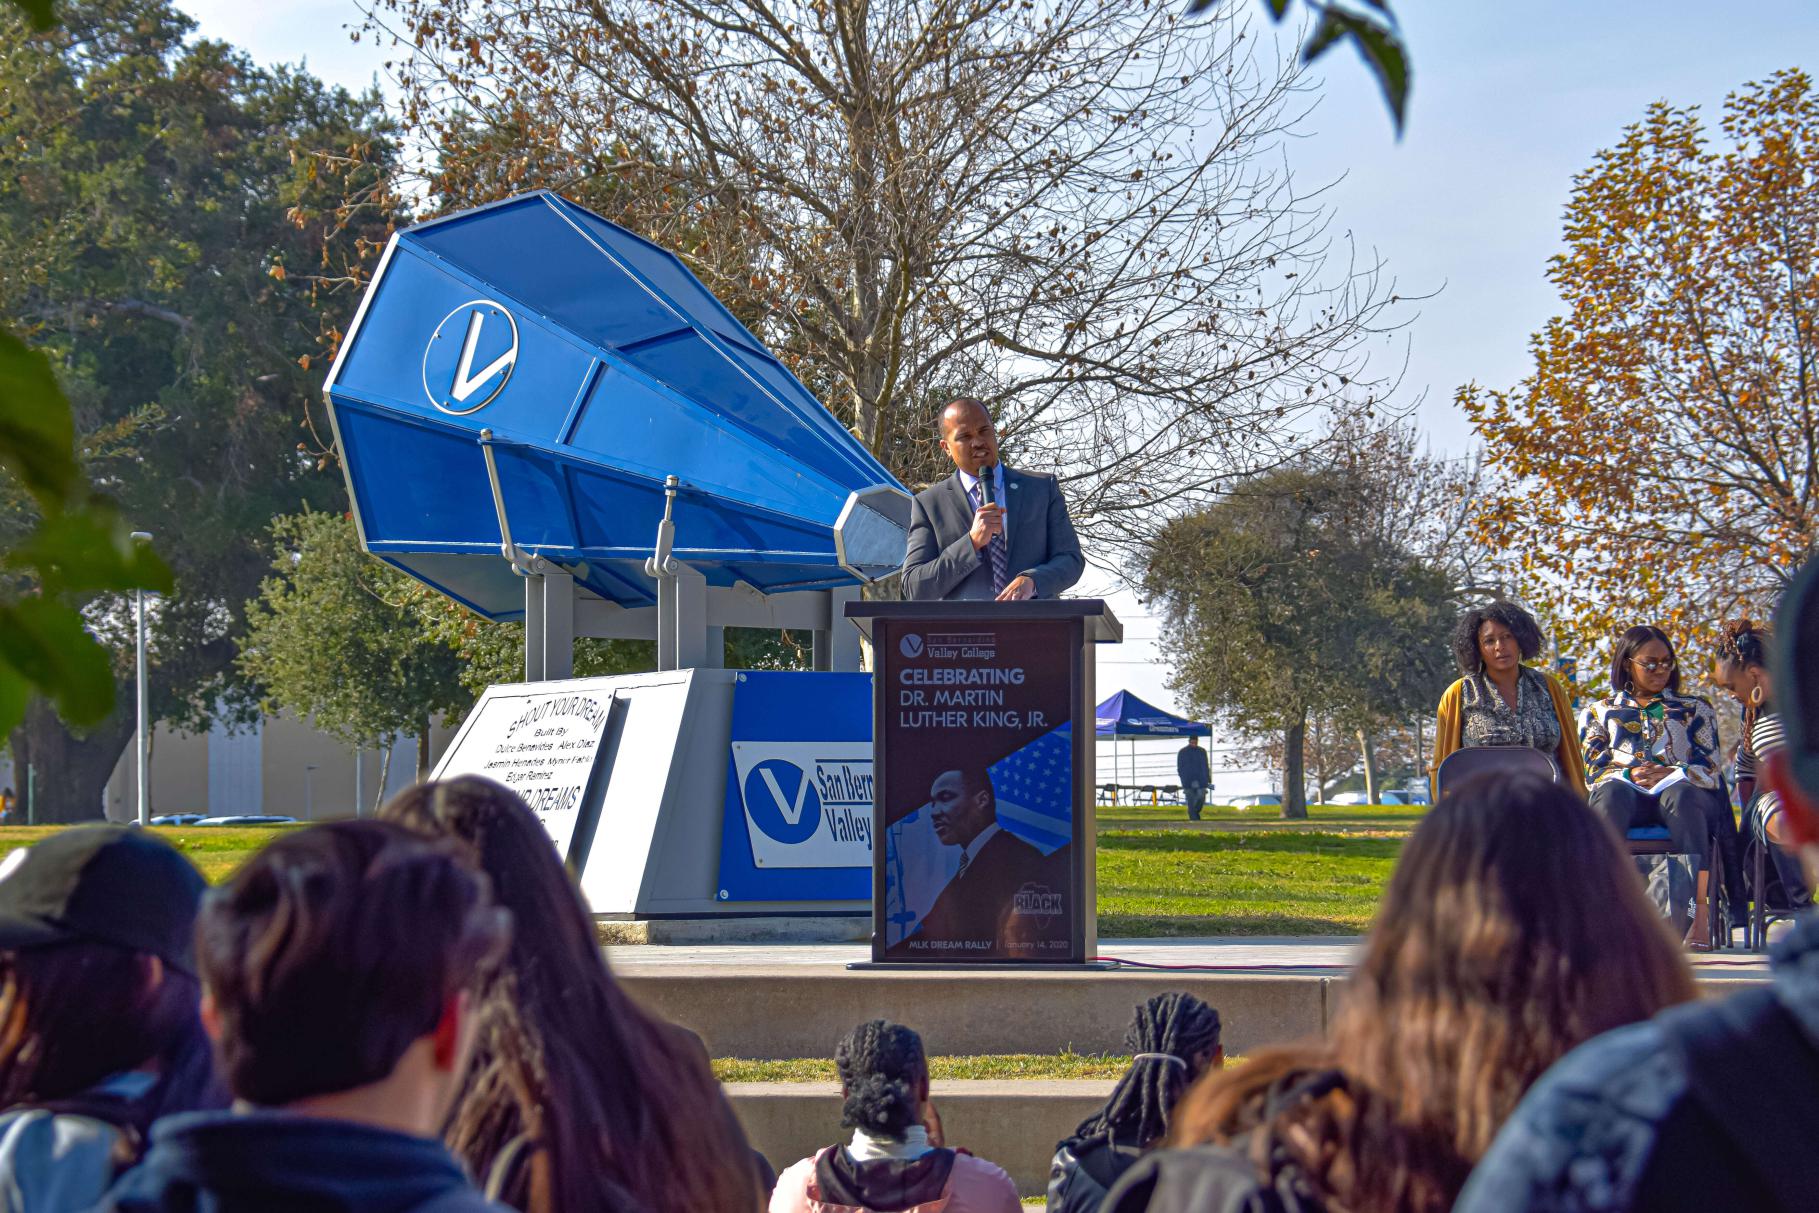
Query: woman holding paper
1652,755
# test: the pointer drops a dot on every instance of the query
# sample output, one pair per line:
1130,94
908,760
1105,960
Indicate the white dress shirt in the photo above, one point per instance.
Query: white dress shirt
971,850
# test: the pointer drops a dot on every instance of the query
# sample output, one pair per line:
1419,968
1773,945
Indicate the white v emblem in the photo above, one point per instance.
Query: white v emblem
792,813
466,383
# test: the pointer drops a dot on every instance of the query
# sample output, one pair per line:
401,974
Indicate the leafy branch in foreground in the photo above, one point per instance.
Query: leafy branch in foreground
79,545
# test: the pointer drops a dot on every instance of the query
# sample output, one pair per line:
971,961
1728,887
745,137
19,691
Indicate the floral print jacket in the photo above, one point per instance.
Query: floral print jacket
1675,730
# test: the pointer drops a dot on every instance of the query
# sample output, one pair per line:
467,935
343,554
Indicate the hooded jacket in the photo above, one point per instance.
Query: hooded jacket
276,1162
940,1181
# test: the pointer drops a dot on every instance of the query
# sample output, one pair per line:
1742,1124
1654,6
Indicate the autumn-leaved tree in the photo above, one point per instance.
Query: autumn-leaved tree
1073,211
1661,463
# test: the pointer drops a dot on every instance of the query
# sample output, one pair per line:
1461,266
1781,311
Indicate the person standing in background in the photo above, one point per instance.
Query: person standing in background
1195,775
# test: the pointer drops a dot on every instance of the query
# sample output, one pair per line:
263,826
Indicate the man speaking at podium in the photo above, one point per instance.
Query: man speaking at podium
985,532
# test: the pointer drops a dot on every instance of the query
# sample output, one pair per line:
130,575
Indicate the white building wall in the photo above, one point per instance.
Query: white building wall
284,767
235,772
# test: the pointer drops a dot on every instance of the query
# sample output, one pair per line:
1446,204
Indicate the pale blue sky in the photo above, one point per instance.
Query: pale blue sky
1509,102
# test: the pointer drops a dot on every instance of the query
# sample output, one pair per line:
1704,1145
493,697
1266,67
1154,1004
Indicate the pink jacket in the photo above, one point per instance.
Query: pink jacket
974,1186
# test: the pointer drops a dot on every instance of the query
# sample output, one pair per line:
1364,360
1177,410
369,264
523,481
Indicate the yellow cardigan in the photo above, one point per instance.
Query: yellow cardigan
1449,724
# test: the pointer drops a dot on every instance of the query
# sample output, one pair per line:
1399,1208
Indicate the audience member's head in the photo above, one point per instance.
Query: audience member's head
1513,929
614,1097
1794,770
97,970
337,965
883,1077
1173,1039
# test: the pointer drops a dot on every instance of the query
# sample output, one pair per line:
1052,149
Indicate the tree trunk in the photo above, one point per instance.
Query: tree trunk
423,750
1294,776
385,771
1368,757
72,771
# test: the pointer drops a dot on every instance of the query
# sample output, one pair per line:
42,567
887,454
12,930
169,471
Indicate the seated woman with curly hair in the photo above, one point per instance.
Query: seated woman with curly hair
1500,701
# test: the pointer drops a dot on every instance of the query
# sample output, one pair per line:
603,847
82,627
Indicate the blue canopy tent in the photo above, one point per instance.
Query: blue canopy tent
529,381
1126,716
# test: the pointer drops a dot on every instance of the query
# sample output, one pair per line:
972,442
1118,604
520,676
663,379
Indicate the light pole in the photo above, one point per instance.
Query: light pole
144,740
309,792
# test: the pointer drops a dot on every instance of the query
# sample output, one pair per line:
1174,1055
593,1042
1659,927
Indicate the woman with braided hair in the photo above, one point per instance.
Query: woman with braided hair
1741,667
1174,1039
897,1161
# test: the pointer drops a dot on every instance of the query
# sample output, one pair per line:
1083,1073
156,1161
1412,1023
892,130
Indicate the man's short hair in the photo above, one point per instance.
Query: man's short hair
334,949
957,401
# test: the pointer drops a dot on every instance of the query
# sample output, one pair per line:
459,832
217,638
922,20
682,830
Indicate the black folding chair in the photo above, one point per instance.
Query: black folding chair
1462,765
1771,900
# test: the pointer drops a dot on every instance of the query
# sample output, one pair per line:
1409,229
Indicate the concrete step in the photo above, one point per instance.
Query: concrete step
803,1011
796,1001
1014,1124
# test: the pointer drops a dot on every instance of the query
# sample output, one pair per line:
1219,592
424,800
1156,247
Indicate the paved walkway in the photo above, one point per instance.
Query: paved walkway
1321,955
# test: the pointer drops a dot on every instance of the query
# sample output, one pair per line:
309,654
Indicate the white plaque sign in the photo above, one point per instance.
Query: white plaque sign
540,744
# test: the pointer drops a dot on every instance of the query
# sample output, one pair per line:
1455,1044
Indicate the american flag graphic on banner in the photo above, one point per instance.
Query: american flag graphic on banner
1034,787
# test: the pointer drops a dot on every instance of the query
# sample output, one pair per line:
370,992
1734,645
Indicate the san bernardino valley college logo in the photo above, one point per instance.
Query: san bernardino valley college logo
782,801
910,645
470,357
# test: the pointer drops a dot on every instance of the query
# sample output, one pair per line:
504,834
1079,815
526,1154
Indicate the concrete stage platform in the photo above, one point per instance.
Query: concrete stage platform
778,1001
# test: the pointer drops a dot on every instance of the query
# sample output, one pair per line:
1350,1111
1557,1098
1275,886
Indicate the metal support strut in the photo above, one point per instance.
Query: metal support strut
682,631
549,592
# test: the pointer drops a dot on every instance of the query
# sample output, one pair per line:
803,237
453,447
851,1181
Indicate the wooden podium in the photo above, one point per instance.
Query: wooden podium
982,812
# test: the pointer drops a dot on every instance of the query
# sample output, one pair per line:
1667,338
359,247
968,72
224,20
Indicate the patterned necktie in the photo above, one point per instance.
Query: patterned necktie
995,551
964,860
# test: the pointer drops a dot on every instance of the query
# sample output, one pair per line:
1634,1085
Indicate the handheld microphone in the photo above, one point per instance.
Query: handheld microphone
988,485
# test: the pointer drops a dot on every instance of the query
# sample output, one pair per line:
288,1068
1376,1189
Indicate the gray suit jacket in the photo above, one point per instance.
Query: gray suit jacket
941,563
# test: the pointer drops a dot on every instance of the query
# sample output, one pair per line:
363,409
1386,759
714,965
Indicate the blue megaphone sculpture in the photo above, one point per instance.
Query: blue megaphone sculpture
528,387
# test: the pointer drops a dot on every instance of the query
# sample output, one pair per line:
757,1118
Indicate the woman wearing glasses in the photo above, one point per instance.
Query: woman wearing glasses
1652,755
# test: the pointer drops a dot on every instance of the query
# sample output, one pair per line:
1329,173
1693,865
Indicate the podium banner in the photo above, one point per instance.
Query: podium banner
978,808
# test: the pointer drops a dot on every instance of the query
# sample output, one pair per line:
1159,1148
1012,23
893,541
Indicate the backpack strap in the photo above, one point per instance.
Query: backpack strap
1750,1065
121,1117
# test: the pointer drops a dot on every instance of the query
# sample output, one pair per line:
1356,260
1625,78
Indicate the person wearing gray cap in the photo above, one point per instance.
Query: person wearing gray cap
100,1000
1710,1105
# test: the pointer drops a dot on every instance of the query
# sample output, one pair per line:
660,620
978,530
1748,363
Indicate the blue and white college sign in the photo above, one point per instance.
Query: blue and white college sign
799,789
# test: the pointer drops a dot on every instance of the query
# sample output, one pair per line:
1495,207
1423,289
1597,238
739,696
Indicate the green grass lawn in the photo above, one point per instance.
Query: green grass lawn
1329,815
216,850
1295,881
1322,877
